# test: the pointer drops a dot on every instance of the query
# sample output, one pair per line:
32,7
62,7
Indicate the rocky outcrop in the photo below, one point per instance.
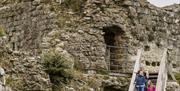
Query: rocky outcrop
173,86
116,83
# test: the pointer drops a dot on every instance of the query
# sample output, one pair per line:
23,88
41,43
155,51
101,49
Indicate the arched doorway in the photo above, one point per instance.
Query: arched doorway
113,40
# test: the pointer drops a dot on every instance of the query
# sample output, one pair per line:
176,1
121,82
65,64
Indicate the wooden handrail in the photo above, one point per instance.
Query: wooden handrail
136,68
162,75
170,72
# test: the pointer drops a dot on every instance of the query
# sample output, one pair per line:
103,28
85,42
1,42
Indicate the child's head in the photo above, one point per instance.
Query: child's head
150,83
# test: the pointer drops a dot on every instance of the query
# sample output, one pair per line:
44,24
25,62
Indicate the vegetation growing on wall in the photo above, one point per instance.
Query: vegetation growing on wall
62,20
75,5
2,32
58,69
177,75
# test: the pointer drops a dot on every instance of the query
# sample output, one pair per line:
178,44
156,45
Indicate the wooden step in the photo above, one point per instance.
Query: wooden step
153,75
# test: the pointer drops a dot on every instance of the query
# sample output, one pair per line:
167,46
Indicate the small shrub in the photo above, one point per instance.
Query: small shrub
177,75
62,20
103,72
58,69
75,5
9,81
2,32
79,66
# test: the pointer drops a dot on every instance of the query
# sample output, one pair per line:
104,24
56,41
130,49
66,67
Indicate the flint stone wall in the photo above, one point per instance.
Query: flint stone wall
25,23
140,25
32,28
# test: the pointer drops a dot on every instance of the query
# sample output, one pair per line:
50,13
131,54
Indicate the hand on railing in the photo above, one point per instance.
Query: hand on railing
147,74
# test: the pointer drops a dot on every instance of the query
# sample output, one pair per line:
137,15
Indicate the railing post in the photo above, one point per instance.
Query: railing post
136,68
162,75
107,57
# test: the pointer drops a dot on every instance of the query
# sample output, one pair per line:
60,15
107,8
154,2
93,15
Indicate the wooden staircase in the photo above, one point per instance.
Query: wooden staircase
159,79
153,77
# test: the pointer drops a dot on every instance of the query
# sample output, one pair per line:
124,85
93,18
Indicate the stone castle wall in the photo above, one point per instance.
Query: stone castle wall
25,24
138,25
33,27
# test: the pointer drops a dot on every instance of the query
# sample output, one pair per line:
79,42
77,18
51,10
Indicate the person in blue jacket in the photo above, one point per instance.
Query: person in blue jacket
140,81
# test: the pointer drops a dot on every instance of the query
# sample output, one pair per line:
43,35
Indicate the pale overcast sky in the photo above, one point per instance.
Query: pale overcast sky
162,3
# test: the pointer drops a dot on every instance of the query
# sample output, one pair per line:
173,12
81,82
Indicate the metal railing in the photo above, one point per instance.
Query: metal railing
115,57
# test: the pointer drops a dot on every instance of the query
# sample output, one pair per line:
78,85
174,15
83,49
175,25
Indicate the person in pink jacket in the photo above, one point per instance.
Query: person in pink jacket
151,86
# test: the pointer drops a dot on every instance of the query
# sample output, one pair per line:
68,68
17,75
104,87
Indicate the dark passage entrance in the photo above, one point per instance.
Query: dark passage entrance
111,35
112,39
109,38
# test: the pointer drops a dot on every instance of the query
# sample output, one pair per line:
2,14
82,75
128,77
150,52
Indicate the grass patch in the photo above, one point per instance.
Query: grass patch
79,66
58,69
177,75
9,81
102,72
75,5
2,31
64,20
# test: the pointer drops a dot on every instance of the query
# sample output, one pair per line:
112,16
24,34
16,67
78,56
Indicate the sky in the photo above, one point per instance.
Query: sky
162,3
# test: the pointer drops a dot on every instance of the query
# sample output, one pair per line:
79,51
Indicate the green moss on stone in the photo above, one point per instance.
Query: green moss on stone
2,31
75,5
177,75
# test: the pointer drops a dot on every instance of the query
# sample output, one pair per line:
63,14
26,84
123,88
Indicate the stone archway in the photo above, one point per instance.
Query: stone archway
114,41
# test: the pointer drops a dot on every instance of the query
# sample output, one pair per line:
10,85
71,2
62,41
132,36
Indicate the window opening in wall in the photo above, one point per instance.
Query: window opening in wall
148,63
146,48
174,65
158,63
153,63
